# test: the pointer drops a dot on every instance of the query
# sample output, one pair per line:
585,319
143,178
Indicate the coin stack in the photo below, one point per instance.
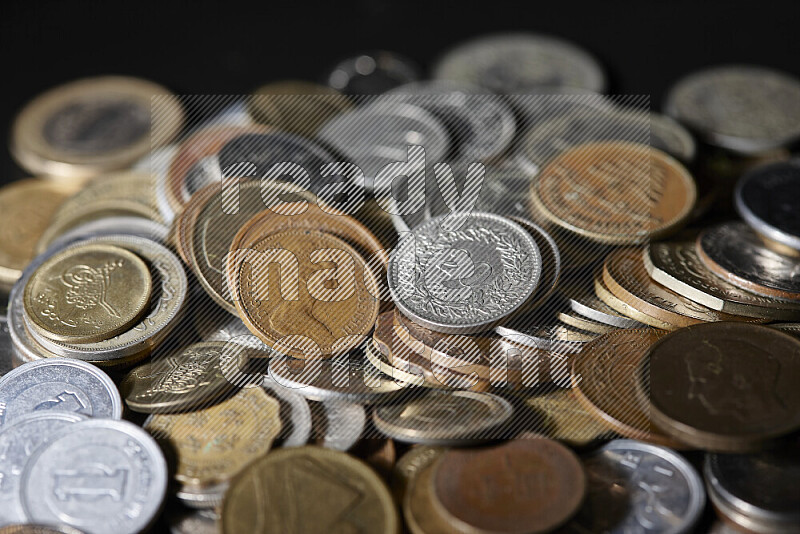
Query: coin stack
493,301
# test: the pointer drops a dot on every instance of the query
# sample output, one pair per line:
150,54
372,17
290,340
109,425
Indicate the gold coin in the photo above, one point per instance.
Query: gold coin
308,489
88,293
94,125
306,293
215,443
27,207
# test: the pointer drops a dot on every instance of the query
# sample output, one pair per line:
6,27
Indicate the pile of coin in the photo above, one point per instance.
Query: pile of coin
493,301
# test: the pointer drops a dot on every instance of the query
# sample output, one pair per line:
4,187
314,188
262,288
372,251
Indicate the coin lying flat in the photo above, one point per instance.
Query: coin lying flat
742,108
88,293
37,529
94,125
115,461
580,322
372,73
58,385
560,416
734,252
727,387
334,491
615,192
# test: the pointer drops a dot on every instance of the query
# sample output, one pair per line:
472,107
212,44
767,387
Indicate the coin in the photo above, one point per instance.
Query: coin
551,262
734,252
409,466
754,109
791,328
508,63
767,198
372,72
295,414
727,387
88,293
194,522
524,485
382,363
442,418
586,303
214,443
136,226
638,487
378,453
58,385
614,192
93,125
115,461
18,441
584,324
561,417
622,307
37,529
6,347
605,378
342,424
418,508
335,491
755,492
677,267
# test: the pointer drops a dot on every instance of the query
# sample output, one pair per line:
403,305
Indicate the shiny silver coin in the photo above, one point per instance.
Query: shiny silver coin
135,226
344,425
373,72
638,487
551,261
115,463
443,418
6,347
18,441
58,385
539,329
193,522
584,302
742,108
208,498
464,273
757,492
510,63
768,199
295,414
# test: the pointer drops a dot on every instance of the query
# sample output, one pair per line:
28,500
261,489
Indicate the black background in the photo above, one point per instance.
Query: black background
202,47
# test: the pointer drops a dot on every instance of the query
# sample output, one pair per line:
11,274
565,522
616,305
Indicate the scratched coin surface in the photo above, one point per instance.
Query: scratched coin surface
464,273
727,387
309,489
214,443
614,192
88,293
58,385
102,476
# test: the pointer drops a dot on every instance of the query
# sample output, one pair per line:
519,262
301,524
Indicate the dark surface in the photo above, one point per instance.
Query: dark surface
196,47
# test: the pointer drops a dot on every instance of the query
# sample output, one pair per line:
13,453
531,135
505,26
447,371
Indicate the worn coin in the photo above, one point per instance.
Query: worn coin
734,252
372,73
334,491
419,511
61,385
727,387
113,462
409,466
791,328
622,307
559,415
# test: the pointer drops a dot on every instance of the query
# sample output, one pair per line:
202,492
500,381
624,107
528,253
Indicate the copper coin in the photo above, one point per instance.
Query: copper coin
605,379
623,308
419,511
522,486
734,252
728,387
580,322
409,466
615,192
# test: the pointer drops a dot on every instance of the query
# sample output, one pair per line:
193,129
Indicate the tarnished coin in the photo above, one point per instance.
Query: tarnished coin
742,108
734,252
677,267
113,462
727,387
421,516
409,466
637,487
18,441
756,492
464,273
510,63
528,485
334,491
94,125
372,73
88,293
58,385
768,198
559,415
215,443
614,192
441,418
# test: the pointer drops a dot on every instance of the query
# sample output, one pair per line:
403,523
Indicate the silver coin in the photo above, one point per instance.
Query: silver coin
102,476
18,441
443,418
194,522
6,347
584,302
510,63
551,261
790,328
758,492
742,108
544,332
202,498
344,424
58,385
538,104
295,414
464,280
768,199
136,226
372,73
157,163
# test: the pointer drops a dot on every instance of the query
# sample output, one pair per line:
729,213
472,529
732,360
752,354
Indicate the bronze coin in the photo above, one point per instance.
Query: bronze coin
522,486
419,511
623,308
727,387
615,192
409,466
605,379
562,417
